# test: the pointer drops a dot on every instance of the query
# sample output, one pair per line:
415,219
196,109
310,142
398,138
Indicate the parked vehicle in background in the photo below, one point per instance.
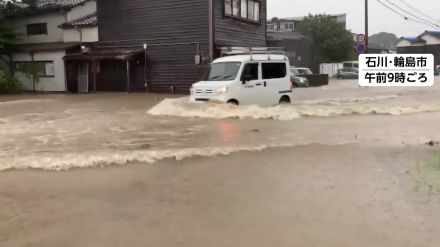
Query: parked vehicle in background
246,79
296,78
437,70
348,73
304,71
350,64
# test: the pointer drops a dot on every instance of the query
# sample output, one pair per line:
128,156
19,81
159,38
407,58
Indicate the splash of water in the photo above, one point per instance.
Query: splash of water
183,108
106,158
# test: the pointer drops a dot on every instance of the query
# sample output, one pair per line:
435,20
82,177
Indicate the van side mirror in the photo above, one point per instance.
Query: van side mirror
247,78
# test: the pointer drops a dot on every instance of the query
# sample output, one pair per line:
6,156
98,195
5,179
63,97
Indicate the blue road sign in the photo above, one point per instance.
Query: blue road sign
361,48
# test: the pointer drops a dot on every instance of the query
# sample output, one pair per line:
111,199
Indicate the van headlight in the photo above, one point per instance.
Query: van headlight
221,90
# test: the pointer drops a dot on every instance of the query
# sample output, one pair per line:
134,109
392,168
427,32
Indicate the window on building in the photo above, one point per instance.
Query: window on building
274,70
228,7
236,7
256,11
244,9
41,68
286,26
244,6
36,29
291,26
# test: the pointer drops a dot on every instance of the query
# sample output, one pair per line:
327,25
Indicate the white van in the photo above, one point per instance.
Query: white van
261,79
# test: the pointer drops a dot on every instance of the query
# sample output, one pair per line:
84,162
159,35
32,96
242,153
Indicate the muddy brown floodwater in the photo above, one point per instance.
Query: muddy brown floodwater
342,166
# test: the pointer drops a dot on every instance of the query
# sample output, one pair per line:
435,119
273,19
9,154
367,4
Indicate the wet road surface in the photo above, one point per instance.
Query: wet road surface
337,168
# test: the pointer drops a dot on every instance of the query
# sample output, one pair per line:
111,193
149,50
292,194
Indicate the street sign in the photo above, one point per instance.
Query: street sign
361,48
360,38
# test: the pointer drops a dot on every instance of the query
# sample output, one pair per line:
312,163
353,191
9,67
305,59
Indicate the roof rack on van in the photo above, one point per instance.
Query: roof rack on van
229,51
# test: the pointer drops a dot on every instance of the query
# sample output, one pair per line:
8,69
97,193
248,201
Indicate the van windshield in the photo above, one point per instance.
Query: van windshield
222,71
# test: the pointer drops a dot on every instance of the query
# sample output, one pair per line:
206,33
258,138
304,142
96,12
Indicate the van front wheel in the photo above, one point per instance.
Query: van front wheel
233,102
285,100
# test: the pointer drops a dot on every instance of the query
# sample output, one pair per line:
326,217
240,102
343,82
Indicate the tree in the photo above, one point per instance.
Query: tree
10,8
385,40
8,35
31,72
331,41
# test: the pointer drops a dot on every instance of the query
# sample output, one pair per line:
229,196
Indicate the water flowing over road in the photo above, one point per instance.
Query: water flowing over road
341,166
61,132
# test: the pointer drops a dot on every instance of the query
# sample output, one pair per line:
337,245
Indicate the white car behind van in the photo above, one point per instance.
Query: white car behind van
261,79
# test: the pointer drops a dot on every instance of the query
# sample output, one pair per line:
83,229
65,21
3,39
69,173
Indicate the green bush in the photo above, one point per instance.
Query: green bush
9,84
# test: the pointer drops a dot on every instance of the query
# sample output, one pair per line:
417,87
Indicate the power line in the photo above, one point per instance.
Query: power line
413,15
405,16
418,11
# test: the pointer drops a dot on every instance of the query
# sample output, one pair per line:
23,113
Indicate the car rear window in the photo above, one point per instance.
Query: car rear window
274,70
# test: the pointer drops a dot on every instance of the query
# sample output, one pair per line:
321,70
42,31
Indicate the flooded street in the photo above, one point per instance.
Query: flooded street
341,166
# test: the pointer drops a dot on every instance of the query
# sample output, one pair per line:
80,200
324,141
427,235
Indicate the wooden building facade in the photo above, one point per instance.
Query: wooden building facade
163,45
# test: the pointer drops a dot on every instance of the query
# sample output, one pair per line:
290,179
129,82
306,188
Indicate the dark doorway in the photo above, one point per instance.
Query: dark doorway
72,68
112,76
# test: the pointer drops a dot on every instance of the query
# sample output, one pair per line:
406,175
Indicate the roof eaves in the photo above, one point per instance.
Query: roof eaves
86,21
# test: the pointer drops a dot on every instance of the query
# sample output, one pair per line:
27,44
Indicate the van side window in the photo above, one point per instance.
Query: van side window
252,70
274,70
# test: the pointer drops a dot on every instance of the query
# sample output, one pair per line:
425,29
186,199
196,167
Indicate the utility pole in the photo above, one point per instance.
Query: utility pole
211,30
366,26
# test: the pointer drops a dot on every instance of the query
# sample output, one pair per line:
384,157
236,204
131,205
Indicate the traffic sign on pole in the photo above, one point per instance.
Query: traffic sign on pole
361,48
361,38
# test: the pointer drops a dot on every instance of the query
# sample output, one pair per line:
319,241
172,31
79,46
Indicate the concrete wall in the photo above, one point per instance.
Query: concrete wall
88,8
406,43
403,43
89,34
54,33
50,84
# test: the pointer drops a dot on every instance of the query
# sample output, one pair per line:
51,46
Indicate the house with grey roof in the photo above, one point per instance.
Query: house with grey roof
54,29
426,43
298,48
290,24
283,32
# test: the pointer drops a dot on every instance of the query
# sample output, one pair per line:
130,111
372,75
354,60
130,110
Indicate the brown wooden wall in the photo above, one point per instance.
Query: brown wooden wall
172,28
233,32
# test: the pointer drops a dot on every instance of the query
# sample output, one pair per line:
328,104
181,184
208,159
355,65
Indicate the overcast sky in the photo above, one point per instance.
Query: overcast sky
381,19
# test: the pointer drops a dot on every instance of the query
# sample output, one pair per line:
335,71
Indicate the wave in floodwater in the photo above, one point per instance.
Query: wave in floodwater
102,159
22,102
181,107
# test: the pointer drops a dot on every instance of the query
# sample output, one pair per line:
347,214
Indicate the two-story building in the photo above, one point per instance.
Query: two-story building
134,45
290,24
283,32
43,41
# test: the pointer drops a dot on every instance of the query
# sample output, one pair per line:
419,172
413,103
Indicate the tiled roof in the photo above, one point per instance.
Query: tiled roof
435,33
87,21
44,5
301,18
59,3
285,35
29,48
414,39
